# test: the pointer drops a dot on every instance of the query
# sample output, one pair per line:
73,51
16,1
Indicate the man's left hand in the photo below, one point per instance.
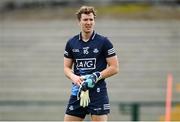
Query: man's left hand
90,81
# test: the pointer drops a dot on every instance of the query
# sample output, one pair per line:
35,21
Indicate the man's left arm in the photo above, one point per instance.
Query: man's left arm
112,68
91,80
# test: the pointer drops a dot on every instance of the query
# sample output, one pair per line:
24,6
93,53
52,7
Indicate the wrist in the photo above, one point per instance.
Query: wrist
71,76
98,75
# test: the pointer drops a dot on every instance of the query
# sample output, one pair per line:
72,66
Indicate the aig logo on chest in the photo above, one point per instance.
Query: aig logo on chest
86,64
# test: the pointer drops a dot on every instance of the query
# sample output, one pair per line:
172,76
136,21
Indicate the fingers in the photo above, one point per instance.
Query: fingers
79,81
87,98
83,78
76,80
83,99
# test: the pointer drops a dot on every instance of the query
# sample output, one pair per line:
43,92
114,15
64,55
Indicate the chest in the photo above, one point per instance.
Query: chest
87,50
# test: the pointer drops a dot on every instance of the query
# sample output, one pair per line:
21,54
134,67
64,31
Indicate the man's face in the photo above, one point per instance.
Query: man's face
87,22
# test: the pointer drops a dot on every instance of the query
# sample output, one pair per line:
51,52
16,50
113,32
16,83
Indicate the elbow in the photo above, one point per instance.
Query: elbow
116,70
116,67
64,71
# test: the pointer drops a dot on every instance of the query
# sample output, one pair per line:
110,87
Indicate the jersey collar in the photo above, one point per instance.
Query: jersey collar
91,38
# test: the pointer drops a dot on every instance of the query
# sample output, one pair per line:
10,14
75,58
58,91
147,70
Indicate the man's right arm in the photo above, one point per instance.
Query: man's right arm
68,62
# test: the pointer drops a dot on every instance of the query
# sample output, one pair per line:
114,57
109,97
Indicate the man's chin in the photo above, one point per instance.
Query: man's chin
89,31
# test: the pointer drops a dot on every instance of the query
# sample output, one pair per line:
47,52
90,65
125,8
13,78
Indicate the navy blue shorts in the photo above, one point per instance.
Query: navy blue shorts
99,104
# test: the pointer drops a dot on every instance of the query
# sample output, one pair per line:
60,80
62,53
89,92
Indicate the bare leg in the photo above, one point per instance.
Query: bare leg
99,118
71,118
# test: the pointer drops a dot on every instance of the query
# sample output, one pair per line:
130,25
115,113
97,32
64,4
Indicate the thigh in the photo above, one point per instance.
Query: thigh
99,117
74,109
99,104
71,118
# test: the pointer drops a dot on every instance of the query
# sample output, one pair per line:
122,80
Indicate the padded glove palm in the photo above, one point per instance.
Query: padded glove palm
84,98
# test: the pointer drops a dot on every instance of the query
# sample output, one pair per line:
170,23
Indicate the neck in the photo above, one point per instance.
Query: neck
86,36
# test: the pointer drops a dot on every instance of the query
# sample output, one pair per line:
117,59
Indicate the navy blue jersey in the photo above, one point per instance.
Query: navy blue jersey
90,56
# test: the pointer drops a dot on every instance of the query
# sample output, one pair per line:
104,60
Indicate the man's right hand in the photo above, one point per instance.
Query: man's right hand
76,79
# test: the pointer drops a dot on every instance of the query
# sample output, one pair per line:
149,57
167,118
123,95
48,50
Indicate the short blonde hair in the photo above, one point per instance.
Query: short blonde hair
85,10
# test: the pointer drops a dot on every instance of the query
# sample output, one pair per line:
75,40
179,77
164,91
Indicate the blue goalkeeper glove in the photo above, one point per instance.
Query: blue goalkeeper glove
90,81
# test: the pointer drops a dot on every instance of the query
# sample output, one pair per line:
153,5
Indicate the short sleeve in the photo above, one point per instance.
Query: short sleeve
67,51
108,48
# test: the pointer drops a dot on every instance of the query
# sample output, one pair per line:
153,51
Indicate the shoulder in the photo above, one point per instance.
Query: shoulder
73,39
103,39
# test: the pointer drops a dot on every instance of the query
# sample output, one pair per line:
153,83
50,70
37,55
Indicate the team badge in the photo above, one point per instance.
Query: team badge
71,108
95,50
98,89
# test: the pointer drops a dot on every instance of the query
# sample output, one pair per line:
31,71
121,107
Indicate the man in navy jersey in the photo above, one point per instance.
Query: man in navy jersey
90,55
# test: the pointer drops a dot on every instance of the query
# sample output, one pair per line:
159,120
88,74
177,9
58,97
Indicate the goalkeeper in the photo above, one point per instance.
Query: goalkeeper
89,58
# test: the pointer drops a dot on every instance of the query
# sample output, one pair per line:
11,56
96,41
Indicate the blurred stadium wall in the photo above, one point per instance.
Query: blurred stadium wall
33,34
11,4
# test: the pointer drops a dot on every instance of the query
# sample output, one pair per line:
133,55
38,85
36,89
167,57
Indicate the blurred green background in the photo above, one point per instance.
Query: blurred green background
33,33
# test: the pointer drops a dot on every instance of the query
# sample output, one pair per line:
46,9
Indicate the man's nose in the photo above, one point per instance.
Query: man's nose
88,22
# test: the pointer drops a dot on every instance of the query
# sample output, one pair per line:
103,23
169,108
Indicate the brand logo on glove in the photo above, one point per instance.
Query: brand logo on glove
86,64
